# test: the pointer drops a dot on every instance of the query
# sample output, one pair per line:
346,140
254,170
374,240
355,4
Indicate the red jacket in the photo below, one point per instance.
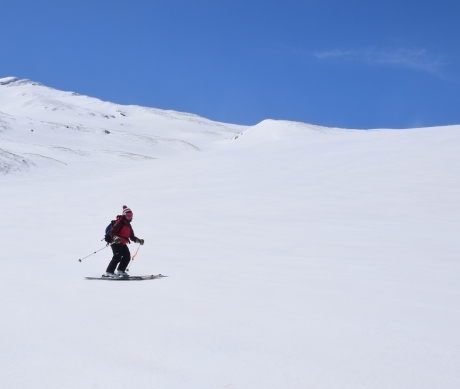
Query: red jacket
123,229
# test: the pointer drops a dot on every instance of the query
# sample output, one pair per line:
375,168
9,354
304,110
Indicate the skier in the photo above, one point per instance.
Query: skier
121,234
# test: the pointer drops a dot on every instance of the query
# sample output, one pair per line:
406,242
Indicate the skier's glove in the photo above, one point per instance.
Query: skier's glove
116,239
140,241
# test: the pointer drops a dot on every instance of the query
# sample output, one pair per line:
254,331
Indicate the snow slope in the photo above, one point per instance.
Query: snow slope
45,126
298,256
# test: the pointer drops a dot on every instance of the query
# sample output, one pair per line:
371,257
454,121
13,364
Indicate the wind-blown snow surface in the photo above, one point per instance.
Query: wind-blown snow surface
298,256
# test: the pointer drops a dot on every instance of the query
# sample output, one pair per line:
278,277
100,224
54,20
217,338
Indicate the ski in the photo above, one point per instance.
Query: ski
128,278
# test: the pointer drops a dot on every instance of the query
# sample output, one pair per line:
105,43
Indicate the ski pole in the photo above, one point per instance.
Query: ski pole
134,256
94,252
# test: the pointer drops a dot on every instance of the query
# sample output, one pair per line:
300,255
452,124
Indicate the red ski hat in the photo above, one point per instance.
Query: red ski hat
127,212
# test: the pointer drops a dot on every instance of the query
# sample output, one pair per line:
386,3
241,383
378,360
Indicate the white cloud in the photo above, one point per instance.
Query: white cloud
333,54
408,58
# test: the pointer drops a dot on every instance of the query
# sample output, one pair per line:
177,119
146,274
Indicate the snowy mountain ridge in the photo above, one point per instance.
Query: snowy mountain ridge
44,126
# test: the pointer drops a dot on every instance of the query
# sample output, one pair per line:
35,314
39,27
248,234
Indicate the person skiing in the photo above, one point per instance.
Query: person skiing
120,235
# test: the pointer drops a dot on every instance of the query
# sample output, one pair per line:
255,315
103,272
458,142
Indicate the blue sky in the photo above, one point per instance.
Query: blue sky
356,64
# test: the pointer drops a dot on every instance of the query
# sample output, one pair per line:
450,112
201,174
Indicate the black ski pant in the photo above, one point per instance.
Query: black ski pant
121,257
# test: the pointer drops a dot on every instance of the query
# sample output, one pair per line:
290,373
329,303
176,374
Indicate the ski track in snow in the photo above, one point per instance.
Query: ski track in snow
298,256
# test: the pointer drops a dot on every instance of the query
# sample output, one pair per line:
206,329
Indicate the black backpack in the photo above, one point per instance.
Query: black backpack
107,236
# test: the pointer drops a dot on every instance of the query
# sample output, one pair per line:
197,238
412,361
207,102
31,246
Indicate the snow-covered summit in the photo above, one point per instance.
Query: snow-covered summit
270,130
42,125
